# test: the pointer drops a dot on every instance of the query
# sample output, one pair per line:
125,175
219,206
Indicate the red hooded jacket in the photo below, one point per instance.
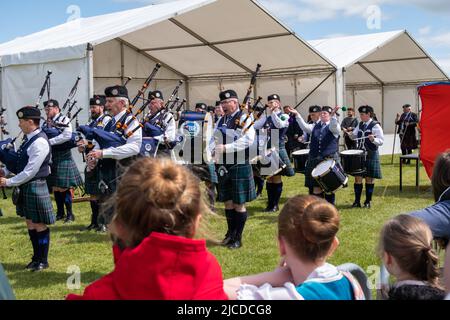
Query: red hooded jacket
162,267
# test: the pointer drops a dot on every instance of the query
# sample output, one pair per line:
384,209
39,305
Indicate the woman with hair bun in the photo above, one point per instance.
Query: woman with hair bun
405,248
158,208
307,228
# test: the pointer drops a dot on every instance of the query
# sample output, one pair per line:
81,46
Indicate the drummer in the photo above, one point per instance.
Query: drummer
324,145
369,136
275,123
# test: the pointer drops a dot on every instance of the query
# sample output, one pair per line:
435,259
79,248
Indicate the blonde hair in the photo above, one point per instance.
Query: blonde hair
157,195
408,239
309,225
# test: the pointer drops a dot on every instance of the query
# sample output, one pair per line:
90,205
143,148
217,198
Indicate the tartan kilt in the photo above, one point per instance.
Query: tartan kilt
311,164
91,181
35,203
239,187
373,166
64,172
288,171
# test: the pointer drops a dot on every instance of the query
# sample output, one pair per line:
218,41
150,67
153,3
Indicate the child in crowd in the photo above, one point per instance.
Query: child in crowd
405,248
158,208
307,228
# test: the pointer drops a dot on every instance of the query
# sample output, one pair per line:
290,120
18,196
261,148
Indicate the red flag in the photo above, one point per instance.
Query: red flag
434,122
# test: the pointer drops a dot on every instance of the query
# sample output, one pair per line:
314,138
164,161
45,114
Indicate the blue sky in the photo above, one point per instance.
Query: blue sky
427,20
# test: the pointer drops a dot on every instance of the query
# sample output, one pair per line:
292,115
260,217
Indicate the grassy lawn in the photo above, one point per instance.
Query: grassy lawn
91,252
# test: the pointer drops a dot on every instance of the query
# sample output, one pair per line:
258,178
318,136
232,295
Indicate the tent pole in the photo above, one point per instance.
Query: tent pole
90,71
122,63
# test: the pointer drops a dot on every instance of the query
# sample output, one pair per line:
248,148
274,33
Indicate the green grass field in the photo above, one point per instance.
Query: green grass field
91,252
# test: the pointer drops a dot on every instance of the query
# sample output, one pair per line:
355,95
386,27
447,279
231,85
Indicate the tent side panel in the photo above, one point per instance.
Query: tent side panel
21,86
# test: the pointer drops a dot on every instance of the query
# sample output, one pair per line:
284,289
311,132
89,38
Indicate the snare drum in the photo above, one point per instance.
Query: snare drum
353,162
269,165
300,158
330,176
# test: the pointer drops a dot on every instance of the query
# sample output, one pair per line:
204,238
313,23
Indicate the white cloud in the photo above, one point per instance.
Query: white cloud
444,63
425,31
318,10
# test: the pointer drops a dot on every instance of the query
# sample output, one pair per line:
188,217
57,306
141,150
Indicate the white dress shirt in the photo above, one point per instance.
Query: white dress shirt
132,146
334,125
280,124
170,125
377,131
37,152
66,135
244,140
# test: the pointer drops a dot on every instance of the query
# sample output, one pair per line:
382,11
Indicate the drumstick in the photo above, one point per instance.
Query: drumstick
363,138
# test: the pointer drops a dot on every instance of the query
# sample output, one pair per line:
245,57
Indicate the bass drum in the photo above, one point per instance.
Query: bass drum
194,138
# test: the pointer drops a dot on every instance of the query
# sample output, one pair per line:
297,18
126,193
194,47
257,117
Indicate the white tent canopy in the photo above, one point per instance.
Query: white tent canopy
380,69
189,38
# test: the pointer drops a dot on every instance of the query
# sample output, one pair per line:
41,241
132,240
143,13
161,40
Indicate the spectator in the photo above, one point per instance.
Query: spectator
307,228
6,292
349,123
437,216
405,248
158,210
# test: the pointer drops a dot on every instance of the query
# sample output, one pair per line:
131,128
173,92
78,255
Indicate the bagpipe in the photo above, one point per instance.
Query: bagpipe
54,128
118,137
240,125
8,156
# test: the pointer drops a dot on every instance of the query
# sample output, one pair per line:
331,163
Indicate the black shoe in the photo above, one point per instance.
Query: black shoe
102,229
92,226
59,218
235,245
273,209
32,265
40,266
356,205
367,205
69,219
227,241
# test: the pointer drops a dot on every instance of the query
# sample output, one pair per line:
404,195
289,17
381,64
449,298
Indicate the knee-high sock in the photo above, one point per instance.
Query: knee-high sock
369,192
277,191
259,184
358,191
68,202
240,219
331,198
230,214
34,242
311,190
43,245
270,195
59,198
95,210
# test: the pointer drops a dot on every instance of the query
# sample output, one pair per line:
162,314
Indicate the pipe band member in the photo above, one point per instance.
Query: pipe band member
371,138
407,124
64,176
112,161
34,203
160,125
275,121
236,185
99,119
324,145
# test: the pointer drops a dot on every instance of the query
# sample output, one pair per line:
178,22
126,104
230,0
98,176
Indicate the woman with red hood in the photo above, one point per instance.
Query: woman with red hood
158,210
